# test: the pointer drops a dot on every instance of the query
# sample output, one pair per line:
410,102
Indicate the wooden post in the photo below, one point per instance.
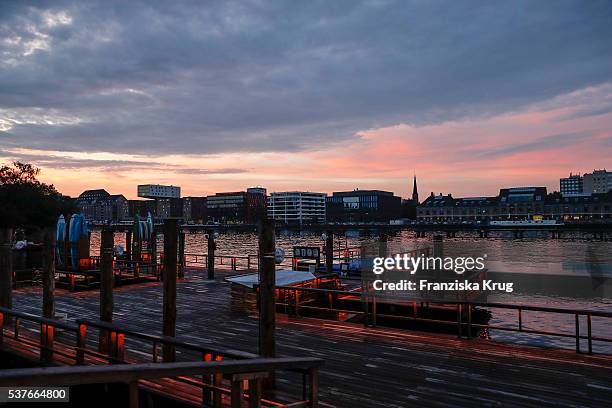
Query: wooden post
106,285
137,256
329,252
169,311
128,245
267,290
313,398
181,250
236,393
81,344
133,391
6,268
382,244
154,252
255,393
48,283
48,273
211,255
136,253
438,246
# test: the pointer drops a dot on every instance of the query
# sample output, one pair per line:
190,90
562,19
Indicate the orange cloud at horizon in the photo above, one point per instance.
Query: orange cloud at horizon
466,158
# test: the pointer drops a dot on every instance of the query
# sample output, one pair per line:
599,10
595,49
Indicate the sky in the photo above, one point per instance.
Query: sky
472,96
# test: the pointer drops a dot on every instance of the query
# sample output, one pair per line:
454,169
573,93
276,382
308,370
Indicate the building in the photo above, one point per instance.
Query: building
598,182
571,185
142,208
441,208
100,206
297,207
363,206
257,190
595,207
158,191
409,206
90,204
415,191
236,207
194,209
519,203
168,208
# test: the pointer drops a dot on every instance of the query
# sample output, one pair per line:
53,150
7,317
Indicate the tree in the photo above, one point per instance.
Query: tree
18,174
27,203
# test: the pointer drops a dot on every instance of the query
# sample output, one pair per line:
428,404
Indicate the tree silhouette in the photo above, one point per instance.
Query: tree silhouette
26,202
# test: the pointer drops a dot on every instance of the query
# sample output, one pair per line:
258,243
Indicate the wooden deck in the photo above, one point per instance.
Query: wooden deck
365,367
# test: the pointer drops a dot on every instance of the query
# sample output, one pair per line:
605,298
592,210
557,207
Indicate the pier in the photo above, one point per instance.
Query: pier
365,366
224,377
215,204
175,337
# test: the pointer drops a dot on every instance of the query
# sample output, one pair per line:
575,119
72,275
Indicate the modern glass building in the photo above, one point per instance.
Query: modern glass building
158,191
297,207
363,206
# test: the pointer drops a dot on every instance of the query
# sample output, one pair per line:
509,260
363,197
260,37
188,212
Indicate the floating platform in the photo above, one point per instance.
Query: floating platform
365,367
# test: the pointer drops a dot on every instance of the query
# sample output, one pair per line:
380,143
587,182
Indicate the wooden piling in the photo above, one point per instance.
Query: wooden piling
48,287
128,245
181,250
170,273
153,247
136,252
106,285
438,246
329,251
48,273
210,267
267,292
382,244
6,268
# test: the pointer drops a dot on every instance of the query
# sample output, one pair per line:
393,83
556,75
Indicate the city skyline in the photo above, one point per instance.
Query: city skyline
413,189
227,95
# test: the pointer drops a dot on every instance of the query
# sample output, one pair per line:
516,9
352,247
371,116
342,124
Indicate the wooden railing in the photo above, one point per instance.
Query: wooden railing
250,262
47,329
117,335
111,349
123,270
237,372
290,300
235,262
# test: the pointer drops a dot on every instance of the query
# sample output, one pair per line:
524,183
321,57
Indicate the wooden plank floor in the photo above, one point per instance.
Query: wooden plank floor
365,367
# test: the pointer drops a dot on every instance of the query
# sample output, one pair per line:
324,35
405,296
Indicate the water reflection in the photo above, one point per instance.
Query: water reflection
534,256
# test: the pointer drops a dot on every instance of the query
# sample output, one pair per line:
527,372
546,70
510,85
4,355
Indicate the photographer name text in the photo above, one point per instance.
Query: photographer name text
412,264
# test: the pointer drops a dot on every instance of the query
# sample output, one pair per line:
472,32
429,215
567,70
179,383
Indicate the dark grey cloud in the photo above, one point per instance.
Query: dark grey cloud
71,163
590,111
207,77
542,143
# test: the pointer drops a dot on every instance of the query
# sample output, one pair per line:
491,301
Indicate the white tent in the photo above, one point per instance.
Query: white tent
284,277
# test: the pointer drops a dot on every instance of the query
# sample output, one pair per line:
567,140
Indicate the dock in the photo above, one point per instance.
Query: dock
364,366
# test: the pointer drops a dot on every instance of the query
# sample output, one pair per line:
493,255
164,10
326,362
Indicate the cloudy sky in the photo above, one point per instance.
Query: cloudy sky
320,96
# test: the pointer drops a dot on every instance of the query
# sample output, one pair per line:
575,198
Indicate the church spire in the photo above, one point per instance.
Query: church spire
415,192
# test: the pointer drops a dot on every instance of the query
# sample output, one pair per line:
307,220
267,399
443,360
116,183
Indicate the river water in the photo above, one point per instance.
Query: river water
573,258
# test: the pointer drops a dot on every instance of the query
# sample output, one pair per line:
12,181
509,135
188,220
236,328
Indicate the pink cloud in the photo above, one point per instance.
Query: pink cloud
469,157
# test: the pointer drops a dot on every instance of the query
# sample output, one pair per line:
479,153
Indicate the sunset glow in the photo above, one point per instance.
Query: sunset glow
504,150
228,97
